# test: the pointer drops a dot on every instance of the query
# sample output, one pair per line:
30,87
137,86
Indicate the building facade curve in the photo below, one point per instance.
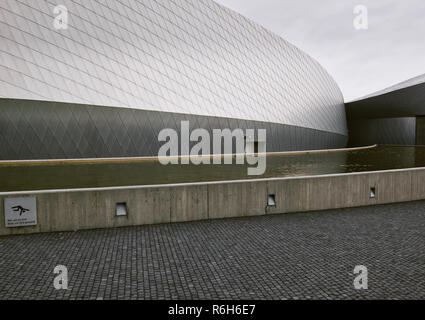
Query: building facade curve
117,72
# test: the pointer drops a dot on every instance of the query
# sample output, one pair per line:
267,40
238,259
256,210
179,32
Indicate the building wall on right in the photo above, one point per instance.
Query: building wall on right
395,115
399,131
420,130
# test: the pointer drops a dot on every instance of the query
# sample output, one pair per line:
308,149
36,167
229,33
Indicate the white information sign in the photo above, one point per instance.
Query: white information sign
20,212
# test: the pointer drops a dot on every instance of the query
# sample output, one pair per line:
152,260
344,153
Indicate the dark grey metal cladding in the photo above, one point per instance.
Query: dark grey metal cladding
407,102
420,131
399,131
388,116
31,129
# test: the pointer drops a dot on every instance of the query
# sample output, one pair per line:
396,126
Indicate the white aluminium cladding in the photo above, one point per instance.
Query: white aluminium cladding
183,56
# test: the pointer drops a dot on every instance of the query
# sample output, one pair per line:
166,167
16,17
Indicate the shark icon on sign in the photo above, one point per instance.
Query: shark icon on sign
20,209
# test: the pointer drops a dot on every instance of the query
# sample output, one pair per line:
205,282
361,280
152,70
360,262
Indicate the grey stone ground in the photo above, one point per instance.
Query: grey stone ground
292,256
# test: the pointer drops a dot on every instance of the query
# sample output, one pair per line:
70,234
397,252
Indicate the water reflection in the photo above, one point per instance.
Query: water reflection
41,177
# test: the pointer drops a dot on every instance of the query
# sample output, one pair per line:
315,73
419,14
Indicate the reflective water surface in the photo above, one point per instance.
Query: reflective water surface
63,176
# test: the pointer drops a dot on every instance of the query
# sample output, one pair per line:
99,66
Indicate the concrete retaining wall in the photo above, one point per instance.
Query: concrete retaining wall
68,210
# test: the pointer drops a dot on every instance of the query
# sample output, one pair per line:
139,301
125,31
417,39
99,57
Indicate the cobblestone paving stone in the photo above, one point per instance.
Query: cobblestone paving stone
291,256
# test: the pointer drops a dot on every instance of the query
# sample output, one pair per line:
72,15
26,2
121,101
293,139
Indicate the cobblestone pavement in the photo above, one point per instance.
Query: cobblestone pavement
292,256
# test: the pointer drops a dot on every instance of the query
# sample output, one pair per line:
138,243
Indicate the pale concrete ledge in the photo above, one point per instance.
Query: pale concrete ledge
76,209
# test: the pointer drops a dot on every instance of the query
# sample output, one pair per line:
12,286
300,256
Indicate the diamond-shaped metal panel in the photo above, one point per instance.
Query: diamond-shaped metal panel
183,57
83,131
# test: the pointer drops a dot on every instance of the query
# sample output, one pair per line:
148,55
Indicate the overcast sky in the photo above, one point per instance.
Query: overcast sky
361,61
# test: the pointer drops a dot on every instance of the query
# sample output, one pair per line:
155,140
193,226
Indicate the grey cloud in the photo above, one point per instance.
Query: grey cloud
390,51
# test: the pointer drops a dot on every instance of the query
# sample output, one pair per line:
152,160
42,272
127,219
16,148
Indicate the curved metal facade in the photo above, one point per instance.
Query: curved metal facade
190,57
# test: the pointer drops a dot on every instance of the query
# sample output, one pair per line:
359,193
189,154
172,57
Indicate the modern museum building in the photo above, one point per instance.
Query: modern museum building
115,73
96,79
